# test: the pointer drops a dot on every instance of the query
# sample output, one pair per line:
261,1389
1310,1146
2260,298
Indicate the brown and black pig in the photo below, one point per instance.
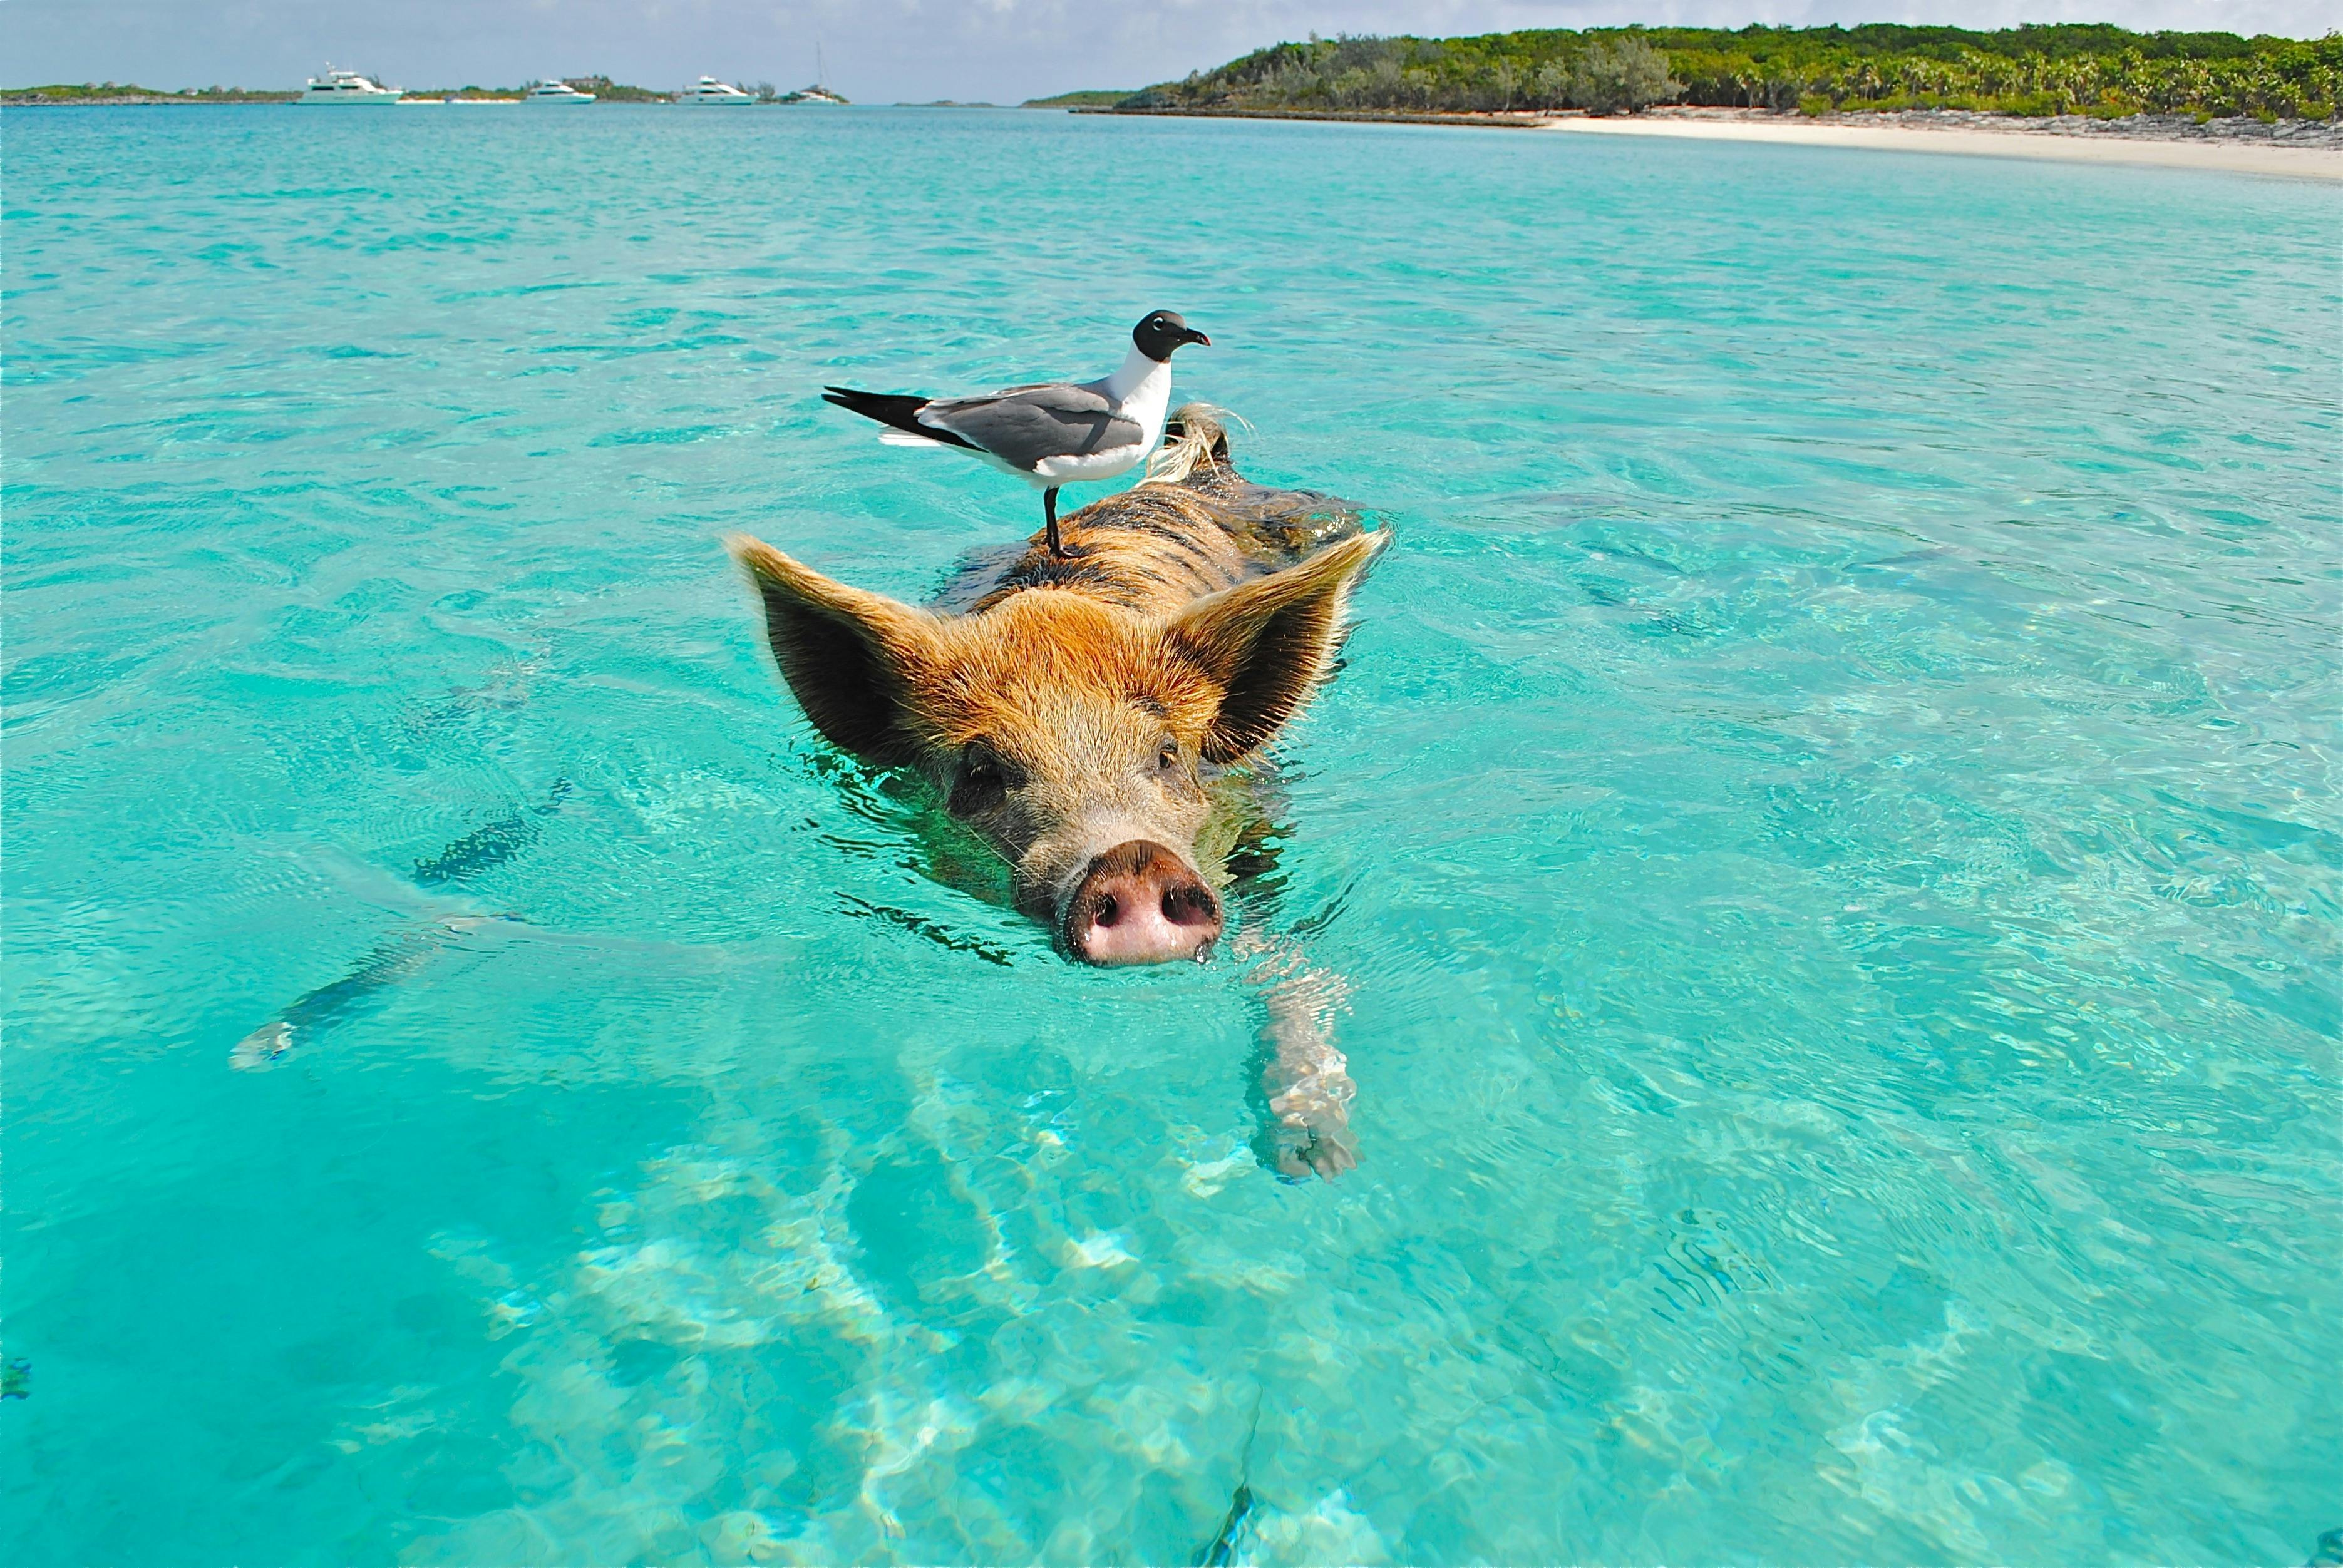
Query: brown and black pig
1091,718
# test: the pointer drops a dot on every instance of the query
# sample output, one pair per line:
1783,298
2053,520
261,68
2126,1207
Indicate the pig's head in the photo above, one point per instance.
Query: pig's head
1076,737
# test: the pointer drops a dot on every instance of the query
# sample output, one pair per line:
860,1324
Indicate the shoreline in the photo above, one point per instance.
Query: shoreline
2171,142
2297,149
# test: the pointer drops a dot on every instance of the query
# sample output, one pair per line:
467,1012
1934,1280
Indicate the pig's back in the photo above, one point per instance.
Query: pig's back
1155,547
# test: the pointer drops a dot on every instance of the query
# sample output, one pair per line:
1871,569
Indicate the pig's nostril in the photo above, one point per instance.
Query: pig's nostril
1107,912
1188,905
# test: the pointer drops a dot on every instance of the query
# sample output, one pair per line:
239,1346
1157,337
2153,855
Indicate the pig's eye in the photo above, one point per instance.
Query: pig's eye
1167,754
984,780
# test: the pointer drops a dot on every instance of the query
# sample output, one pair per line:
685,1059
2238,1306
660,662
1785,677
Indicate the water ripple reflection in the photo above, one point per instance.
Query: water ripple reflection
1824,839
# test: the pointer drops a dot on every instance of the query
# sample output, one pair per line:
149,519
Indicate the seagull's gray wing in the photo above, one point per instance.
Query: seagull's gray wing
1026,425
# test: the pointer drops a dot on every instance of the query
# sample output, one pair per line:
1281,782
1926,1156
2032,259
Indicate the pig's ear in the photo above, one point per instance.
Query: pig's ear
1268,642
847,655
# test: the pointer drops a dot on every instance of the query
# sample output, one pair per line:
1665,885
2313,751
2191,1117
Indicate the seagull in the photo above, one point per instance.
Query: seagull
1057,433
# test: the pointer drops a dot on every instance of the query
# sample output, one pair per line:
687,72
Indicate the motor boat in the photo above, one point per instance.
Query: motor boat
554,90
346,87
711,93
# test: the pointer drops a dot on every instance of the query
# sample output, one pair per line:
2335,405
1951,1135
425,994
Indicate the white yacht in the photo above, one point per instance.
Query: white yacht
346,87
554,90
709,92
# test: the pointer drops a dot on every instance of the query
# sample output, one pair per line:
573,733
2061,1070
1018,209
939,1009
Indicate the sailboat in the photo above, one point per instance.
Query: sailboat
817,94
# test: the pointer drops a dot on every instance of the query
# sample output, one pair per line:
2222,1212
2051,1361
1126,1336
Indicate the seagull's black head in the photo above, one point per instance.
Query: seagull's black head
1161,333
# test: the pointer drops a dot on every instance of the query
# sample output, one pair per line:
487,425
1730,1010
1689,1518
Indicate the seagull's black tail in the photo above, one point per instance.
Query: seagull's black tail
897,408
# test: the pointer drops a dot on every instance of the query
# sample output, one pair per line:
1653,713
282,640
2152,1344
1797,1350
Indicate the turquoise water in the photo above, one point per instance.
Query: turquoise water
1827,838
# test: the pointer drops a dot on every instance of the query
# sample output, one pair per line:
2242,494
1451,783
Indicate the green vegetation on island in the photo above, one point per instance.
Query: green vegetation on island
131,93
2090,69
1100,99
606,91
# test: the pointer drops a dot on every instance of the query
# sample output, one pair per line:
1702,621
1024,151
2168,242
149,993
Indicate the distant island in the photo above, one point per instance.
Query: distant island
112,93
605,91
2094,70
1100,98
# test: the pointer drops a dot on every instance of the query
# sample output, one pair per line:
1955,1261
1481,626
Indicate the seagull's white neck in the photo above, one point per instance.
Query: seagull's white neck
1142,388
1135,370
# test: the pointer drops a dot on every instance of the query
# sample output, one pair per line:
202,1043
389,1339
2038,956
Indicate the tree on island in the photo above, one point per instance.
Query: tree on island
1628,74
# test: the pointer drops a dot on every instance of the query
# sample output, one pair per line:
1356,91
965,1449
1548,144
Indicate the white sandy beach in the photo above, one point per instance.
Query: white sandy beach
2222,157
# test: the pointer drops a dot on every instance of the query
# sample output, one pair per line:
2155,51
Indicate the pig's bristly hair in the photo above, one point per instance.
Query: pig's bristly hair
1201,438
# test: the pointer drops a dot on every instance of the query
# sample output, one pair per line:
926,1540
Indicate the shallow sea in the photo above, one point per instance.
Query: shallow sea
1827,836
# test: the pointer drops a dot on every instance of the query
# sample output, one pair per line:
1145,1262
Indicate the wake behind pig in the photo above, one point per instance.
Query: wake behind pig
1093,717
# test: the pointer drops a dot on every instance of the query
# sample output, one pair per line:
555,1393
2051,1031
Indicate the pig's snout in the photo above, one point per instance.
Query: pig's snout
1138,903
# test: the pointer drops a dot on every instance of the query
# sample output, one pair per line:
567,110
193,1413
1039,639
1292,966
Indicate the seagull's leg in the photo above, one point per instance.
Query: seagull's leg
1050,517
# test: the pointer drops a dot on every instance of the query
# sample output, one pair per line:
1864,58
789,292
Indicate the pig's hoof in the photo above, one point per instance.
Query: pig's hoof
1304,1151
263,1048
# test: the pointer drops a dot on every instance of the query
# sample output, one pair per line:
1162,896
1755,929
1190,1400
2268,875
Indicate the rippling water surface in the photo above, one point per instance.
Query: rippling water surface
1826,835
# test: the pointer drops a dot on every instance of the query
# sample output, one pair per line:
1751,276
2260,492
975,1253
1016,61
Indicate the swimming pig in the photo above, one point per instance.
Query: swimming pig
1081,714
1092,718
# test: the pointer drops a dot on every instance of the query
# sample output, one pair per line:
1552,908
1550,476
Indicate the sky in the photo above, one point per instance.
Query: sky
884,51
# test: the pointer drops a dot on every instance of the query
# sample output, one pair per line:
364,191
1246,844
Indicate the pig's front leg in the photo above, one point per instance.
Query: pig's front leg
1304,1082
